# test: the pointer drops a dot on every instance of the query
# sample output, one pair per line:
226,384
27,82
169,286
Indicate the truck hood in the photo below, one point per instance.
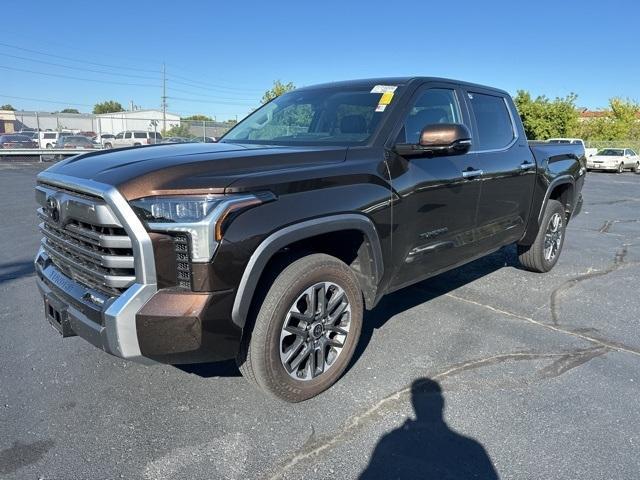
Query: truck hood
189,168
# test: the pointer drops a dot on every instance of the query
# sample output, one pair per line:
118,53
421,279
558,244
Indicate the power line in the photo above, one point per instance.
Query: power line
38,52
76,68
210,96
209,86
198,100
46,101
78,78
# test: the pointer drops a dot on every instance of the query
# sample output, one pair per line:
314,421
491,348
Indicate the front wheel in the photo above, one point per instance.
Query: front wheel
620,168
636,167
306,329
543,253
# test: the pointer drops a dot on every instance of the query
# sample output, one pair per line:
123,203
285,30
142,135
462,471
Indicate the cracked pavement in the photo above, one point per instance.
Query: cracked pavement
486,371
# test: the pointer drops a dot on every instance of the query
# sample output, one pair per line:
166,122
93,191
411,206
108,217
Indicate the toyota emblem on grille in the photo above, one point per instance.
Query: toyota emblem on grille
53,209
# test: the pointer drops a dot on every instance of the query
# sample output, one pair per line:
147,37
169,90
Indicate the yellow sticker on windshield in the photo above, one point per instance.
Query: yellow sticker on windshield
386,98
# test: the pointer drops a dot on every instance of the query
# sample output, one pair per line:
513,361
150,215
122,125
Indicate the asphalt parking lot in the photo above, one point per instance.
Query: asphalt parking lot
484,372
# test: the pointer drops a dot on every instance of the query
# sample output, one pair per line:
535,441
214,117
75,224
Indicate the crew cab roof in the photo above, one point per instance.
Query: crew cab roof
399,81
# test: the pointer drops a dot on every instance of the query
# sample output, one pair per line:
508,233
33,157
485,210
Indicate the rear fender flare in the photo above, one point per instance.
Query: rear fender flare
562,180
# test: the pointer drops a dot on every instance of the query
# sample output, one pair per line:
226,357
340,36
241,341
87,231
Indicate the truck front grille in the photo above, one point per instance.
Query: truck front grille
85,241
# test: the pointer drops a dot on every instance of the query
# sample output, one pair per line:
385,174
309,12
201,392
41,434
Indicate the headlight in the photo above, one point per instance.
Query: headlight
175,209
202,217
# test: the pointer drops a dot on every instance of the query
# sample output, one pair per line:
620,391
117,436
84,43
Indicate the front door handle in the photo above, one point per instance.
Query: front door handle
527,165
472,173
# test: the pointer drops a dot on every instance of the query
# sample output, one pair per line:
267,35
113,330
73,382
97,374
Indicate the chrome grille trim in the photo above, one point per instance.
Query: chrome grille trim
120,314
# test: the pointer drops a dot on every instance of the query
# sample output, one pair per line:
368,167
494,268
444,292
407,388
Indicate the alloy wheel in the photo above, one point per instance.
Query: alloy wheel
315,331
553,237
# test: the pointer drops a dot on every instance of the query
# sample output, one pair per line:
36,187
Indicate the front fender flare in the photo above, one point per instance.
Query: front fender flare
299,231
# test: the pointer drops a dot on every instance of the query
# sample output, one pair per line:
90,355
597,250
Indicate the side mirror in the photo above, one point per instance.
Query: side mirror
438,139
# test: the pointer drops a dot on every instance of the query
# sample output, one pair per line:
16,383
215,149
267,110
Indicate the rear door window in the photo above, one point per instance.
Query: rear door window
493,122
139,135
127,135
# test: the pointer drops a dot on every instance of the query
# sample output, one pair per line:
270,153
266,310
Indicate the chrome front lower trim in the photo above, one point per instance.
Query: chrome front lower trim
119,316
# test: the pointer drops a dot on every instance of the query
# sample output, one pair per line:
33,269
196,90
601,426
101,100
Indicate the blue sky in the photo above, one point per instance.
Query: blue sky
221,56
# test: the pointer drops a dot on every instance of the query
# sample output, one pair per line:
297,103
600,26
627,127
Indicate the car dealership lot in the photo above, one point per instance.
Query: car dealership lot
540,373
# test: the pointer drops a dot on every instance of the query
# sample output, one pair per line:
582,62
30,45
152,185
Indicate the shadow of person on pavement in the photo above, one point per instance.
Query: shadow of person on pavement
426,448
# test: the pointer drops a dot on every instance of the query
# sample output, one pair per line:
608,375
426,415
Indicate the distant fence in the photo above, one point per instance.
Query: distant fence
112,124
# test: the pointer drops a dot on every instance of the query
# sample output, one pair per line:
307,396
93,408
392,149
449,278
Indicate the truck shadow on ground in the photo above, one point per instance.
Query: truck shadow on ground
427,290
391,305
425,447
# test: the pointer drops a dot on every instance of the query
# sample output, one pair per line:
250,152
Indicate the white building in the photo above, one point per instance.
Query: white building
135,120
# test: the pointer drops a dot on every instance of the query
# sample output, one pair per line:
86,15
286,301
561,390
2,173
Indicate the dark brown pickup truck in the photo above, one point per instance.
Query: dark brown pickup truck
268,246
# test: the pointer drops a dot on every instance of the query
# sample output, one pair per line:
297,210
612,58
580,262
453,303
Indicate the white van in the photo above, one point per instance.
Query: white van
49,139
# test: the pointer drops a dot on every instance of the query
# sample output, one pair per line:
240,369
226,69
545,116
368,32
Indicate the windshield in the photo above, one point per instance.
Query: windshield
610,152
324,116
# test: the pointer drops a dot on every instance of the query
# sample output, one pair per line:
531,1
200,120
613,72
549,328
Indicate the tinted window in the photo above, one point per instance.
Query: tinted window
632,153
139,135
120,135
329,116
154,135
49,135
436,105
611,152
493,121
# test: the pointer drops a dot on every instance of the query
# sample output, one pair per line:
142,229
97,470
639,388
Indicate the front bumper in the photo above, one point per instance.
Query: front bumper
143,325
110,326
603,166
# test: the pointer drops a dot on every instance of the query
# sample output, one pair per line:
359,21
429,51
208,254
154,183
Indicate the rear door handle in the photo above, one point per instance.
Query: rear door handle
472,173
527,165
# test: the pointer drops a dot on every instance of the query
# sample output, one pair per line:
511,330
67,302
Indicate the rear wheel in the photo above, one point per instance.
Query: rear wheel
306,329
636,167
543,253
108,145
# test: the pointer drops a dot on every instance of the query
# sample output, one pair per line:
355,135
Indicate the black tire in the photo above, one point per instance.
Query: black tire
108,145
532,257
636,167
620,168
260,356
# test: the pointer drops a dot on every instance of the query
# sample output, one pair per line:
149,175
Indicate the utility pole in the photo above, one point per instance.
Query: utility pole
164,98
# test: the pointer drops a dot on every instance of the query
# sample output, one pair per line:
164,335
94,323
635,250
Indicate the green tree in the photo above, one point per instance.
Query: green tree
278,89
108,106
7,106
199,118
69,110
619,122
181,130
544,118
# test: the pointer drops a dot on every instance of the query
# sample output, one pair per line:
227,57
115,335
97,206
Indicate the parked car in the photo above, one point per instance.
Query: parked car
17,141
176,140
134,138
203,140
106,140
269,246
575,141
49,139
615,160
33,135
87,134
76,141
